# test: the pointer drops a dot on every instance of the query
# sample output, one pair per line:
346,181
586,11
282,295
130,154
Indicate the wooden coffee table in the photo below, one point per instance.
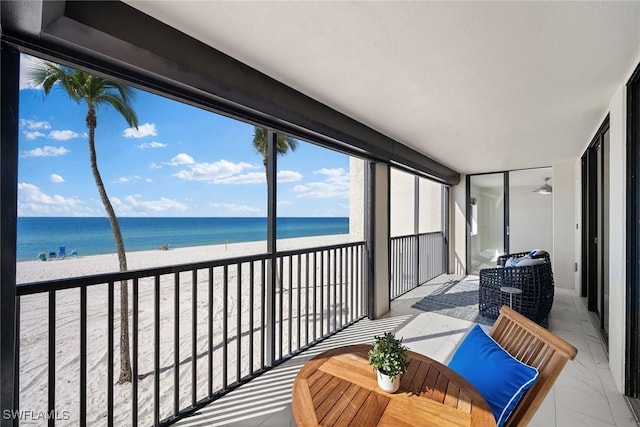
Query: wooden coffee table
339,387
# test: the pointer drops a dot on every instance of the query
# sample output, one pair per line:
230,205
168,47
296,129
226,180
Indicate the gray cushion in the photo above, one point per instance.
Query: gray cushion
538,253
511,262
529,261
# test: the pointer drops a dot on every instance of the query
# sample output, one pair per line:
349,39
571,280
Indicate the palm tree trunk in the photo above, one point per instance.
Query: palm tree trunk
266,172
125,359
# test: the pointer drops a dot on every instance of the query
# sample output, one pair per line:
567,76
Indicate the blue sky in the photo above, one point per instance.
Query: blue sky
181,161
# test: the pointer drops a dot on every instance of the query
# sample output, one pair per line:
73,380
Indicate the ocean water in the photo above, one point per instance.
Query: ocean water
92,236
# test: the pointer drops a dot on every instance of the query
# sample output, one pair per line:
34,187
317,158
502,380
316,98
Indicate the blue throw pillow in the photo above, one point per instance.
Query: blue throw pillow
499,377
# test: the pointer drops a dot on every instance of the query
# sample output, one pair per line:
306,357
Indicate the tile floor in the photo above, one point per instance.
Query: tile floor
583,395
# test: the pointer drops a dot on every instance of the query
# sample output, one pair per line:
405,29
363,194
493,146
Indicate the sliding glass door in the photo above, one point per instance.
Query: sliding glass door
595,232
486,220
508,212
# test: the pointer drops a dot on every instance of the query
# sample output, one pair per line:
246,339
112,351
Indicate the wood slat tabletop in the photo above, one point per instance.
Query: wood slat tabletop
339,388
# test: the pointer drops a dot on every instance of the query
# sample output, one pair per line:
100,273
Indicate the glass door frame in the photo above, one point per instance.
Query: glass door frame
468,213
595,243
507,231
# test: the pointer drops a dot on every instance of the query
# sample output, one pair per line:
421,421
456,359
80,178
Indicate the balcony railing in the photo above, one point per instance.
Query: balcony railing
197,331
415,259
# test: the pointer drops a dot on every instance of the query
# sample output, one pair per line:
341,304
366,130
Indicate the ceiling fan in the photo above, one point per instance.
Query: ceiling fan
544,188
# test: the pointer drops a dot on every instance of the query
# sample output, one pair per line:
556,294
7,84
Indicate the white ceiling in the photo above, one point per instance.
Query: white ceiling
478,86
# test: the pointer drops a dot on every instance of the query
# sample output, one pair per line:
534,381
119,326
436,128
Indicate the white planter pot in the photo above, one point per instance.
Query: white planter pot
387,383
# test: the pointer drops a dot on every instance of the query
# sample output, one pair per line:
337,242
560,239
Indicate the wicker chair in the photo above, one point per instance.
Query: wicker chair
502,259
535,281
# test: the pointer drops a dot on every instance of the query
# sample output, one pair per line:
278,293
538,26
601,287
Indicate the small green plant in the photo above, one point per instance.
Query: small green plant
388,355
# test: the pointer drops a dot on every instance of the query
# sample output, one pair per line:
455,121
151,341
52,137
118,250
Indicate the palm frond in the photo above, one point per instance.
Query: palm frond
82,86
125,92
284,143
122,107
36,72
260,141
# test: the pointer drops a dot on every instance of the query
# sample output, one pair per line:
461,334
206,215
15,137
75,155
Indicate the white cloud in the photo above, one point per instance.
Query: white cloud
284,202
333,175
34,125
289,176
152,144
32,201
246,178
32,193
134,205
46,151
226,172
321,190
147,129
123,179
54,177
232,208
32,128
259,177
335,184
62,135
182,159
220,172
154,165
33,134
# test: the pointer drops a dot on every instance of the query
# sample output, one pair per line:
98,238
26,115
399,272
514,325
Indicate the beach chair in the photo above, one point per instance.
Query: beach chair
42,256
62,252
52,255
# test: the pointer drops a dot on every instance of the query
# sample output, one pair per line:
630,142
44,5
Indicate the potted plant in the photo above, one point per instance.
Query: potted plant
391,359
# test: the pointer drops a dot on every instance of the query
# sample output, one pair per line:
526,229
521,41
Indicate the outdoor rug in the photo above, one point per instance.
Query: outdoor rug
455,298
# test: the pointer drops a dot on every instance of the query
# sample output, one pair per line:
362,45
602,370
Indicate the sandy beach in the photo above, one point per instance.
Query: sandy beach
34,327
35,271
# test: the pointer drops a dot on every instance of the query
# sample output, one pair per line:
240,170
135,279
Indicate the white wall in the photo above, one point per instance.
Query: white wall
381,222
458,228
430,211
564,227
530,220
356,199
402,203
617,228
381,241
617,234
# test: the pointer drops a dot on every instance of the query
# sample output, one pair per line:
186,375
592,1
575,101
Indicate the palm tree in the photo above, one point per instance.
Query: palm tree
283,144
95,91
